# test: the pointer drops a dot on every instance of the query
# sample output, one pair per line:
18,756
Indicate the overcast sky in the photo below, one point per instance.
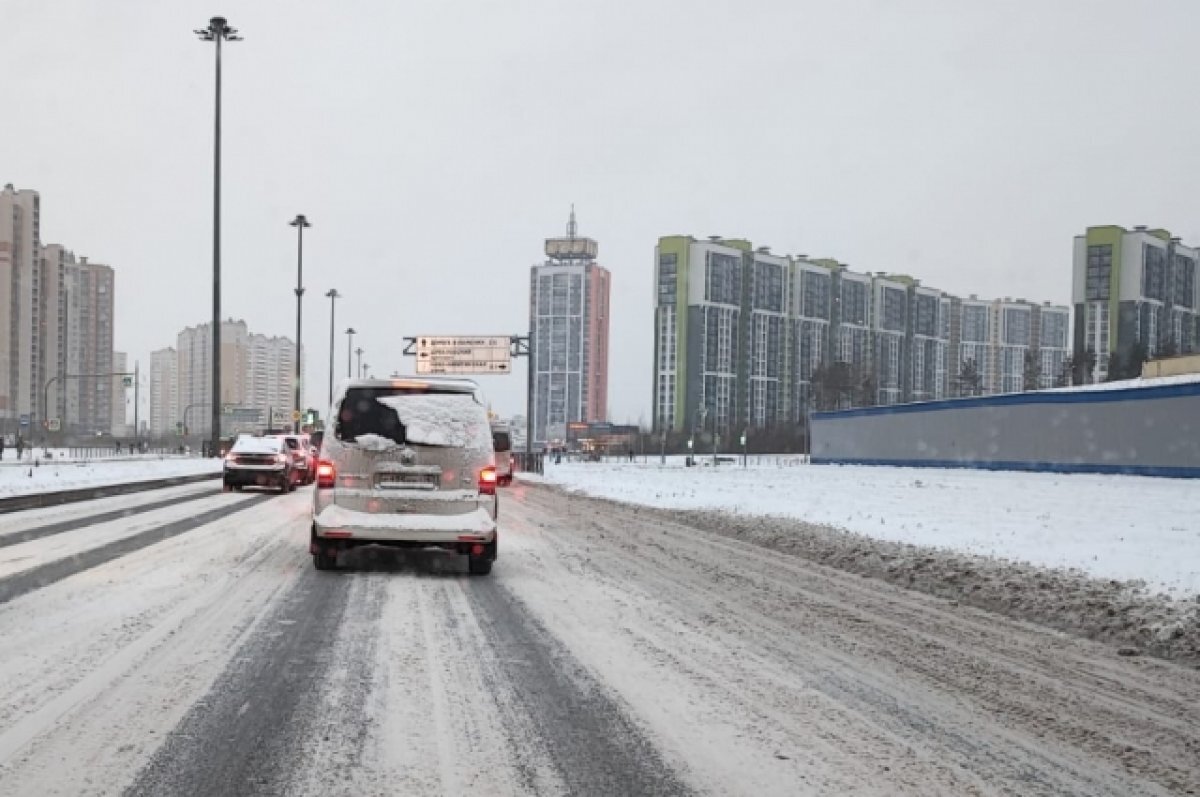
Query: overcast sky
434,145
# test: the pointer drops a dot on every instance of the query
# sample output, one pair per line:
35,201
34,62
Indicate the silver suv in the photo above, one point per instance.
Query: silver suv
406,463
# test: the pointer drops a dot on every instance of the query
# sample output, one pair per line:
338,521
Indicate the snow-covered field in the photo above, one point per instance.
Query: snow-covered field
1122,527
50,475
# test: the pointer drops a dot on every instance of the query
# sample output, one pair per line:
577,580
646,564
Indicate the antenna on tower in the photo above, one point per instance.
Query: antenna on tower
572,227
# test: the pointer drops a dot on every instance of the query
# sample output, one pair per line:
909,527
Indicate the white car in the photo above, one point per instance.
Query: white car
407,463
259,462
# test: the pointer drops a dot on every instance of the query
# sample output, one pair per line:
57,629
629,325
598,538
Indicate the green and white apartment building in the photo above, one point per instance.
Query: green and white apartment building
740,333
1133,287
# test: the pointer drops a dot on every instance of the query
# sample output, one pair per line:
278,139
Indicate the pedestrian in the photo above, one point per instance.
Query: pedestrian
118,448
631,455
1,447
20,446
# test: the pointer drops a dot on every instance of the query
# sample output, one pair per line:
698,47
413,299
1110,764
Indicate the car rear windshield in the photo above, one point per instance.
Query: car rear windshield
419,416
256,445
501,441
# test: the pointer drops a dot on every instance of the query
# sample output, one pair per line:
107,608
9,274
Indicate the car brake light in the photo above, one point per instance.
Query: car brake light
487,481
326,474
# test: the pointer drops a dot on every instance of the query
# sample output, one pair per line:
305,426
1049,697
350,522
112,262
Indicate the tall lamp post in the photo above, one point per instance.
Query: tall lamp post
218,30
349,350
333,296
300,222
366,372
359,353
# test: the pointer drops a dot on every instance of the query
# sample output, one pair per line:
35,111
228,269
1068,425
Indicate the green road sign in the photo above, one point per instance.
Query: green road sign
127,381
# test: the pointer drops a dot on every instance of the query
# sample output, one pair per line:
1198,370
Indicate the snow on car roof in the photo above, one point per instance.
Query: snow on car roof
258,445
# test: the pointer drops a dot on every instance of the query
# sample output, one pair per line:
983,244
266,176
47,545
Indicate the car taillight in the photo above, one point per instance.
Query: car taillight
487,481
326,474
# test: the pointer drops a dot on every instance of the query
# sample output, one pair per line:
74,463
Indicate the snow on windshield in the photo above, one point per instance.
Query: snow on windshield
453,420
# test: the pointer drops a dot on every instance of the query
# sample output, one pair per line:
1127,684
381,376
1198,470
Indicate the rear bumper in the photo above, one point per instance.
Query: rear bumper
335,522
254,476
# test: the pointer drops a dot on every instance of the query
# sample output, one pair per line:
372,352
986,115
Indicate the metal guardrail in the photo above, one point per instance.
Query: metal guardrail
17,503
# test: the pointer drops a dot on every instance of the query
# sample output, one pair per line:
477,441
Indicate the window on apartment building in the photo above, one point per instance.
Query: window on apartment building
723,278
926,321
893,309
1017,327
975,324
815,290
1099,272
854,302
1183,279
668,265
1154,272
768,287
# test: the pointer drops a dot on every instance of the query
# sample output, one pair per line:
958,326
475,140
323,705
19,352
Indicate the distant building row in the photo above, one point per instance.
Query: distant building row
257,377
56,331
748,339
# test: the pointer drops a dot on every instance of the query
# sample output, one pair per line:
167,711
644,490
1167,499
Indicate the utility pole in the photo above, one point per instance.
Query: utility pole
350,331
333,296
300,223
137,384
218,30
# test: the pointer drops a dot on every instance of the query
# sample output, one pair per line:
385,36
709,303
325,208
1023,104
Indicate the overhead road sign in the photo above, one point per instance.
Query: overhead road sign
462,354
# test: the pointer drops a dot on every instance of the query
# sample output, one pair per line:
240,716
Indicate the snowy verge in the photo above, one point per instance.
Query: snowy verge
1127,528
51,476
1122,613
1012,575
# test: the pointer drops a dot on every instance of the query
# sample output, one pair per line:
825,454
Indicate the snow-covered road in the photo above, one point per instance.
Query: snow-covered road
610,652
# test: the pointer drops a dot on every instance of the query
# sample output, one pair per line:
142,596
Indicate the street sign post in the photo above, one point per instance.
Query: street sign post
24,420
280,418
477,355
127,381
54,424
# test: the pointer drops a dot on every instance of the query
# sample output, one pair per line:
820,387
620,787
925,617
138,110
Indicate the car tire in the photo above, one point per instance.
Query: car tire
479,566
323,561
226,487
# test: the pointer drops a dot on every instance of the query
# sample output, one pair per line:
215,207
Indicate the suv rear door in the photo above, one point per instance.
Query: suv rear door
410,448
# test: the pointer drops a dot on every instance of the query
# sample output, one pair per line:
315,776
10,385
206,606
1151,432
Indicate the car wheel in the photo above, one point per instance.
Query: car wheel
479,566
323,561
226,487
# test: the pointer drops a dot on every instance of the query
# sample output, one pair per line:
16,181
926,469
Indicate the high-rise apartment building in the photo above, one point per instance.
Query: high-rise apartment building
56,328
568,328
89,355
257,373
747,339
1135,295
20,242
56,263
165,411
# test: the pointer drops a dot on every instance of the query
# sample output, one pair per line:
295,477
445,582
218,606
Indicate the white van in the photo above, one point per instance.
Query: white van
407,463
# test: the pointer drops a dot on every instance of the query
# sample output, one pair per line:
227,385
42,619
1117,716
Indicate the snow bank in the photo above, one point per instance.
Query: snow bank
1128,528
51,476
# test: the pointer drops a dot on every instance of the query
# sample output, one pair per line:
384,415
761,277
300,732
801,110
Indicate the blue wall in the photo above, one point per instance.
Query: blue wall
1153,431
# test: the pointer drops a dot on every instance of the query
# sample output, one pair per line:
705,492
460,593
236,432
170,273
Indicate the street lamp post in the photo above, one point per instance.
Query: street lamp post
349,350
300,222
218,30
333,296
366,371
359,353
